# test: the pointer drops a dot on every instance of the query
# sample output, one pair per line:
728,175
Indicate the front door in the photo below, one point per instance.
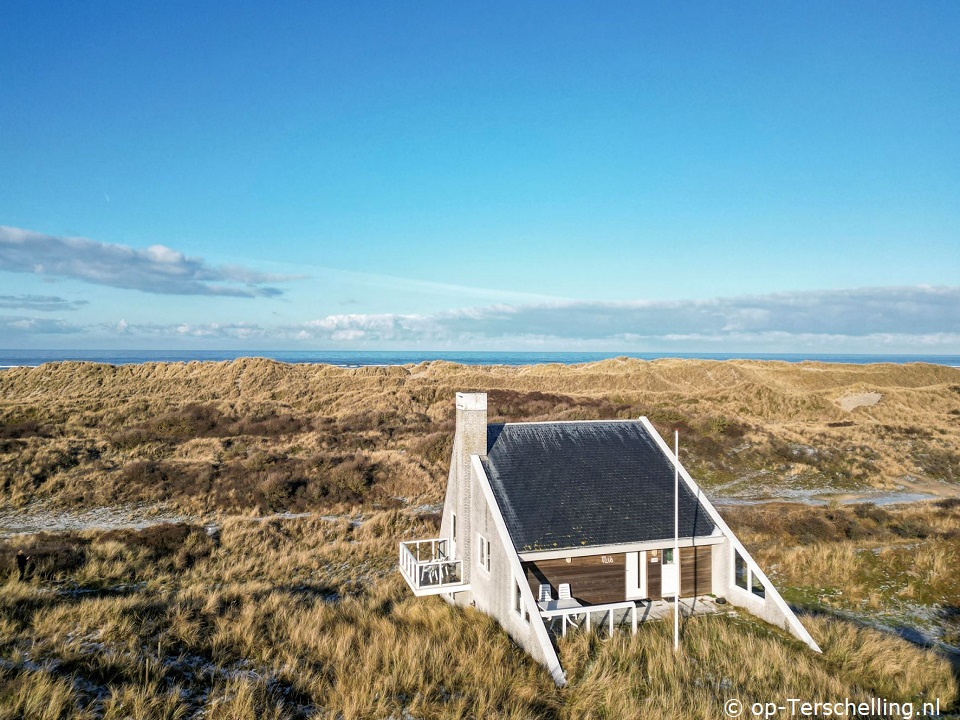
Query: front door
669,574
636,576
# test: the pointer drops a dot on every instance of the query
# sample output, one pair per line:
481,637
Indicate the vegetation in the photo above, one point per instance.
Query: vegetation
283,615
290,618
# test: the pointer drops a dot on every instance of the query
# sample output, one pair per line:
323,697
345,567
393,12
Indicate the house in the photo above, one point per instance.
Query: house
548,525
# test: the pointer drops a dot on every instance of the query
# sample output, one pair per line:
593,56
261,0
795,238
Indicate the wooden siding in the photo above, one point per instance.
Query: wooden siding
696,572
592,581
653,575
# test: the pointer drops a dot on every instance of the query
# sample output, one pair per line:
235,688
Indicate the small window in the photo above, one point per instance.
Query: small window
518,607
483,552
668,556
453,526
740,570
756,587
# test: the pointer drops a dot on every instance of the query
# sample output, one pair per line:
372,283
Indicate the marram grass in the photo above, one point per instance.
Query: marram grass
269,624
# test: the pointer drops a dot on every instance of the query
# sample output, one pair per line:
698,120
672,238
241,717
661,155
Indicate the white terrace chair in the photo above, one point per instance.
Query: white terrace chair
546,594
565,594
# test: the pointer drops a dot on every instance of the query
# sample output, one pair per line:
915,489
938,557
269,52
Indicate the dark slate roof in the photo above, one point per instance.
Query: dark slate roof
578,484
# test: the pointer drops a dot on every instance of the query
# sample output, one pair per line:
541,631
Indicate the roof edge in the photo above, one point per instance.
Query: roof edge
576,422
588,550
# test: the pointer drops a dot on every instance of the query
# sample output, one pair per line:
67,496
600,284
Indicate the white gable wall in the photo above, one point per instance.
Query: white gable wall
469,495
493,591
453,503
772,608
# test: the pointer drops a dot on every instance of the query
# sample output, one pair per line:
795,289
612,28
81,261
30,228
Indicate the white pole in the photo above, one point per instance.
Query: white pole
676,537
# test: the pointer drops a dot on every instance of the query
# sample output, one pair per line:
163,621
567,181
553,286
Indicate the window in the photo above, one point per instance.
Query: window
740,570
756,587
668,556
483,552
453,534
518,607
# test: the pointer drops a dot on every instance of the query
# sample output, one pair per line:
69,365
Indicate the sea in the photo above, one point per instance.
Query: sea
363,358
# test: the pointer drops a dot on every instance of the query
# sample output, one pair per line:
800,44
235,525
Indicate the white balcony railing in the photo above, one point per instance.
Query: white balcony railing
611,614
428,569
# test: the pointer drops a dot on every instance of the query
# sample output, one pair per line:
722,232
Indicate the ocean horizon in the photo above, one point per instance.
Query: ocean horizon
363,358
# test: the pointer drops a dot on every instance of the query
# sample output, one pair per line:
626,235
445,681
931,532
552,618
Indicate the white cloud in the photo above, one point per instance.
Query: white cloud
157,269
213,331
14,325
43,303
922,312
902,320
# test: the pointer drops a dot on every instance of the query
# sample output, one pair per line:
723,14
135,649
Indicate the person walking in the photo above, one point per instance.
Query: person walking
22,560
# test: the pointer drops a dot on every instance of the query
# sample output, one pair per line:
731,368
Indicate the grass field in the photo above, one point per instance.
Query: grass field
292,617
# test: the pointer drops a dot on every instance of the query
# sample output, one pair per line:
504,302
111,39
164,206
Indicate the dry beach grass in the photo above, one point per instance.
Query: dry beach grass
260,434
287,617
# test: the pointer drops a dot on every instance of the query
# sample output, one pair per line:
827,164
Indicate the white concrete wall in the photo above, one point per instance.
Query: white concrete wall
772,608
720,565
452,504
492,592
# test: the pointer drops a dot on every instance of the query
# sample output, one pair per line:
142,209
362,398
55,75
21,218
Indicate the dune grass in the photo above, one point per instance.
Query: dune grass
295,617
291,618
305,617
259,434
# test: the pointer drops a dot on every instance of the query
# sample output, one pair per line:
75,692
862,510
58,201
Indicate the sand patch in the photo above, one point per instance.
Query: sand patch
852,402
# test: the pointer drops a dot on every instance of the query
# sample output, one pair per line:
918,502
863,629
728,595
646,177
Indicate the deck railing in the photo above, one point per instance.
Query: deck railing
427,566
585,615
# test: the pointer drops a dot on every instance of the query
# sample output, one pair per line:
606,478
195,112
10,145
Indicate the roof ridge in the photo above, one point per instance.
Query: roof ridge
570,422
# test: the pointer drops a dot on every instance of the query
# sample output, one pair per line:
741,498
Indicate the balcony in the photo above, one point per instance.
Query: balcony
428,568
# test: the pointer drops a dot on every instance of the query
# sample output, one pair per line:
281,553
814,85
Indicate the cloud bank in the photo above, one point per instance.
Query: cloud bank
43,303
13,325
921,320
913,311
156,269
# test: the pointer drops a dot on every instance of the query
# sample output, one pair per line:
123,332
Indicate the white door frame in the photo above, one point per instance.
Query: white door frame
669,575
636,575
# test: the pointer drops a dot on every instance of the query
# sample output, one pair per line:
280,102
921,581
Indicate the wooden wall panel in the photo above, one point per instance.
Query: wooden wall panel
696,571
592,580
653,576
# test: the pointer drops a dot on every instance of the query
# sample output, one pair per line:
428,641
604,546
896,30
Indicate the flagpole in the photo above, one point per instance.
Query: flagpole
676,537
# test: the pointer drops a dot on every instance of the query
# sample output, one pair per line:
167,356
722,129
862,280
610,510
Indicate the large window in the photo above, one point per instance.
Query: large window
744,576
483,552
740,570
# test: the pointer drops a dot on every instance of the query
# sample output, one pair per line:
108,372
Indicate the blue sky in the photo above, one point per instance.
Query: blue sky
768,177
